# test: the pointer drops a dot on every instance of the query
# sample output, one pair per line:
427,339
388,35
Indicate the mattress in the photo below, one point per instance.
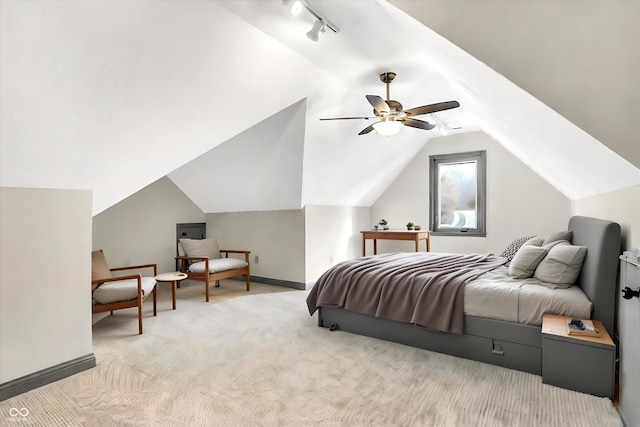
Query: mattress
496,295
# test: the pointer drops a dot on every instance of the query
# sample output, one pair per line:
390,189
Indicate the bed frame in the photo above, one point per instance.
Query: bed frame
506,344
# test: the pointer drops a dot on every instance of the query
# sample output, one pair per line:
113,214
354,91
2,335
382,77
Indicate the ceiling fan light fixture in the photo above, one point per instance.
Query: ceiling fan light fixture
387,126
314,32
295,6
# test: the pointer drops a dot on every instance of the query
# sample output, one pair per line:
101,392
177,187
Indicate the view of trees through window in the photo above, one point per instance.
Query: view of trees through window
458,189
458,194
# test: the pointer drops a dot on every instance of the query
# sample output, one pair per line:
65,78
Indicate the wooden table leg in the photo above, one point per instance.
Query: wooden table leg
364,245
417,241
174,284
375,247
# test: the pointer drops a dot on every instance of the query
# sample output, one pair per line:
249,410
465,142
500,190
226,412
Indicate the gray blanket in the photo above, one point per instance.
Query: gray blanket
423,288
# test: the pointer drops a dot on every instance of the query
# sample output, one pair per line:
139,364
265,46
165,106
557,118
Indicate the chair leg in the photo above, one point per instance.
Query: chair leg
154,300
140,317
248,282
207,289
217,283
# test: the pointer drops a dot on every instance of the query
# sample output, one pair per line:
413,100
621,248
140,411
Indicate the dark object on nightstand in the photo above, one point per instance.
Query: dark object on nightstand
577,323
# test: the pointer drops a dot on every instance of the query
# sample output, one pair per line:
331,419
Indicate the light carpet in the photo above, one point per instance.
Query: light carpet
261,360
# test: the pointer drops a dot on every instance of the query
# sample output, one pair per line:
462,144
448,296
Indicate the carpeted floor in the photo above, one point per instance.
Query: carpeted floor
258,359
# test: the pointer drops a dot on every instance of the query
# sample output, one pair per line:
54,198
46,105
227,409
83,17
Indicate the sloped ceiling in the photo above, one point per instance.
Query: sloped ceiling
266,161
111,96
582,59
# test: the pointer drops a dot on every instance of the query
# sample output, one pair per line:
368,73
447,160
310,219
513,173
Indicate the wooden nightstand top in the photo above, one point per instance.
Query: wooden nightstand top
553,324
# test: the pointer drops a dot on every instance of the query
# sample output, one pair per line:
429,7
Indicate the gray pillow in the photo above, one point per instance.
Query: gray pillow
553,243
560,235
561,265
534,241
525,261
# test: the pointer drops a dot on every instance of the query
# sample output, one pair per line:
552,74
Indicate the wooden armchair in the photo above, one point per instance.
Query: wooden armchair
114,293
201,260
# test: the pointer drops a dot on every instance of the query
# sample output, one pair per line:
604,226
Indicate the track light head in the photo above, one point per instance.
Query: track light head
295,6
314,32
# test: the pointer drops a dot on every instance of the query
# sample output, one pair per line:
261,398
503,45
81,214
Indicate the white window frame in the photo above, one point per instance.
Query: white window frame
435,161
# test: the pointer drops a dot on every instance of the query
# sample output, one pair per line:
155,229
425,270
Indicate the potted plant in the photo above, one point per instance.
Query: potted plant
409,225
383,223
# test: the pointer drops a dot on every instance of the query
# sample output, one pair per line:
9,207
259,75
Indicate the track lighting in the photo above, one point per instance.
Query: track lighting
295,6
321,24
314,32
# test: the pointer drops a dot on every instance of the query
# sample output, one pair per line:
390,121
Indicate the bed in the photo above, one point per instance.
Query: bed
512,343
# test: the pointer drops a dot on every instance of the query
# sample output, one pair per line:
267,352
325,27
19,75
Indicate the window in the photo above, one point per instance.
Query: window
457,196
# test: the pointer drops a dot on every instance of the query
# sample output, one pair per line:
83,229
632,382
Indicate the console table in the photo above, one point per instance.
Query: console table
376,235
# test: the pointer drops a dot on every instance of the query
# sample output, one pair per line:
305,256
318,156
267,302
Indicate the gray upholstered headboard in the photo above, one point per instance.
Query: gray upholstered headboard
598,277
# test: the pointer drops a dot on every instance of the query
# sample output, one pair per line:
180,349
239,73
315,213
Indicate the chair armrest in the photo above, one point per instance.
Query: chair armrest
232,251
115,279
133,267
183,267
100,282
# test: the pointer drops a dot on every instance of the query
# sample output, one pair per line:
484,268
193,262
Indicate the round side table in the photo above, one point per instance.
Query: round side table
173,277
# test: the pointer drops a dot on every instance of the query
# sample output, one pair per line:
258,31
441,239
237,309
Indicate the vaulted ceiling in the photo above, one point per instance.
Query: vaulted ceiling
224,97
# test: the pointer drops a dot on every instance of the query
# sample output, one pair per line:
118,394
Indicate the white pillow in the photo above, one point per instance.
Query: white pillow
217,265
525,261
204,247
562,264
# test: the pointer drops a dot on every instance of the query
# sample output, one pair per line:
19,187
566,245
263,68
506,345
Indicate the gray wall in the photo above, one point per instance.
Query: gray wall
333,235
276,237
45,276
621,206
519,202
141,229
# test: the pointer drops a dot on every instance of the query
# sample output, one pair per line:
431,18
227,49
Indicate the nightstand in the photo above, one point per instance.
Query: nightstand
580,363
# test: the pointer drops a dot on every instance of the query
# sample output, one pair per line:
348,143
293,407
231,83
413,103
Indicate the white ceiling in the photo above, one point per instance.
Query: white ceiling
224,97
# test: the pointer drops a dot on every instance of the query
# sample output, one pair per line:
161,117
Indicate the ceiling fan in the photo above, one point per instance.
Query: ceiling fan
391,115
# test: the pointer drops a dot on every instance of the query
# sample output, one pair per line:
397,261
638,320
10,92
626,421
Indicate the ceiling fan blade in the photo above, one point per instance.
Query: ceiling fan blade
366,130
432,108
420,124
349,118
378,104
